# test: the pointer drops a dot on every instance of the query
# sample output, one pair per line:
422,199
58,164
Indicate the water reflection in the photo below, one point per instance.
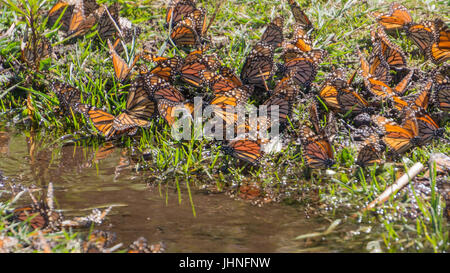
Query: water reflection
4,142
87,177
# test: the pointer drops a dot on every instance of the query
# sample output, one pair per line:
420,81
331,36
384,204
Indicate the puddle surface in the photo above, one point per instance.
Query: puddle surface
221,224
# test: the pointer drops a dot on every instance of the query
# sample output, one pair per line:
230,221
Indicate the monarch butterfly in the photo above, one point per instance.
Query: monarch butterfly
258,66
102,121
302,43
287,88
399,103
291,51
314,117
422,35
402,86
442,97
368,155
97,241
138,110
68,95
38,219
121,68
376,77
299,16
223,81
303,70
83,18
198,16
392,53
316,145
87,6
329,90
230,76
141,246
185,34
227,94
417,102
190,24
377,67
378,88
107,25
152,83
170,100
281,105
179,10
441,75
197,53
441,94
440,49
428,129
382,90
194,65
399,138
39,215
396,19
328,94
433,38
32,57
301,38
350,101
64,8
249,192
244,149
166,68
318,152
273,35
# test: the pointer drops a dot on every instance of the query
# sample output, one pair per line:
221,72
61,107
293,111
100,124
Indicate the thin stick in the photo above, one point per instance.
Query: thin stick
394,188
35,202
213,17
264,81
50,197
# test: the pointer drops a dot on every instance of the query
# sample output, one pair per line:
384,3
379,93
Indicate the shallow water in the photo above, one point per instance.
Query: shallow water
221,224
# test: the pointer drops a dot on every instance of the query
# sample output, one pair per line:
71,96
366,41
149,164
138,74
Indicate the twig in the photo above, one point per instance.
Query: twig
9,31
213,17
394,188
264,81
329,230
50,197
114,248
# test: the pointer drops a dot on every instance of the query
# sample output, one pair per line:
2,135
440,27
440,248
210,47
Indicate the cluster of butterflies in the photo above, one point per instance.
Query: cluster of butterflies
154,91
406,121
430,36
187,23
78,17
